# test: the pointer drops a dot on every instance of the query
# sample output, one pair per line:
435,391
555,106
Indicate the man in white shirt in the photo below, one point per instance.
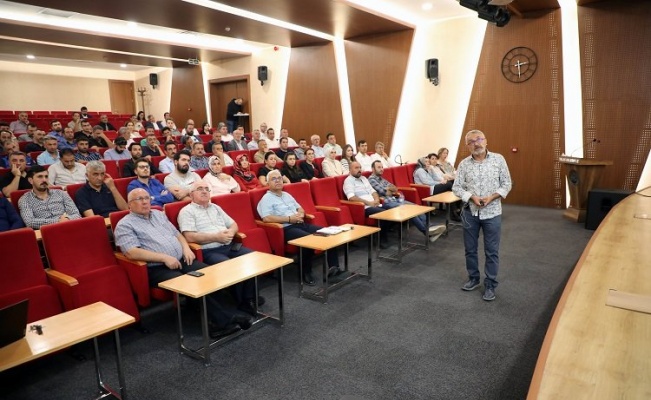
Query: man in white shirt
66,171
255,136
285,133
270,138
362,156
189,127
180,181
331,143
318,150
381,156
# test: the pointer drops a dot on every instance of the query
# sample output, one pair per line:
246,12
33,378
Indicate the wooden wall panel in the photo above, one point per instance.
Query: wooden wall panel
614,38
188,100
312,103
376,70
525,116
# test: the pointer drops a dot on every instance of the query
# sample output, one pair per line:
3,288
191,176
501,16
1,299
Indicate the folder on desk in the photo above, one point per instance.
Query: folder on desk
629,301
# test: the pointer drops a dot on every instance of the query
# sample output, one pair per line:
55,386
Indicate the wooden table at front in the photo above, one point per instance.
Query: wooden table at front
69,328
326,243
220,276
446,198
401,214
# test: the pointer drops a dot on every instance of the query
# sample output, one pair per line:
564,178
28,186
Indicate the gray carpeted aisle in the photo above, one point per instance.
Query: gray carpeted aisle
411,333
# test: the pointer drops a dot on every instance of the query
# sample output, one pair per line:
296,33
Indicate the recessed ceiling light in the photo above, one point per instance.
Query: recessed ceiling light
123,65
427,6
30,57
132,24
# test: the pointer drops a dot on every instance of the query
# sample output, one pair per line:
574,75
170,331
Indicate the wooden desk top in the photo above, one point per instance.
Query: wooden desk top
62,331
445,197
225,274
107,221
402,213
594,351
328,242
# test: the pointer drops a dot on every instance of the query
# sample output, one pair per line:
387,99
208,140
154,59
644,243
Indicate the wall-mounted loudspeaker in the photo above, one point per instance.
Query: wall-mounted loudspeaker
153,80
263,73
432,70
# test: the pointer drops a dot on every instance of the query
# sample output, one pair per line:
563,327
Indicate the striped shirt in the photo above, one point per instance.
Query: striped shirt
209,219
153,232
37,212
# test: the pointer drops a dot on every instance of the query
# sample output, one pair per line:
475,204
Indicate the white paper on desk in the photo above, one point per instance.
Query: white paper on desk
330,230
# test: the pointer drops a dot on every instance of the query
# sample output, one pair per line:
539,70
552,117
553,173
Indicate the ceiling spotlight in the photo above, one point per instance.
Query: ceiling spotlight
123,65
30,57
497,15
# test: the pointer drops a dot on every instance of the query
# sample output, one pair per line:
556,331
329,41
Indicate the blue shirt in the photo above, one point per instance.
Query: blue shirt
281,206
46,158
159,195
101,202
9,218
153,232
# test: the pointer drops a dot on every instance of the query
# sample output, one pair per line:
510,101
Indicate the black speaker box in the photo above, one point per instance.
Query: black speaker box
153,79
432,68
262,73
600,201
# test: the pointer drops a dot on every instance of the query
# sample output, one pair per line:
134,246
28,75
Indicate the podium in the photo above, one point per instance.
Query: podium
582,176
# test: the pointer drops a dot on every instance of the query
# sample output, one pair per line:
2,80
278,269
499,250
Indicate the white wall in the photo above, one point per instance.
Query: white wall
267,102
431,117
158,100
34,87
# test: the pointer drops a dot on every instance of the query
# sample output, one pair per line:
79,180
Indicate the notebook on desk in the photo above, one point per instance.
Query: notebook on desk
13,320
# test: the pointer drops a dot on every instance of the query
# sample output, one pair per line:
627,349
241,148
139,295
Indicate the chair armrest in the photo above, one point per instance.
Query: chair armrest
138,278
122,258
309,216
411,194
60,277
357,212
264,225
194,246
240,236
275,235
327,208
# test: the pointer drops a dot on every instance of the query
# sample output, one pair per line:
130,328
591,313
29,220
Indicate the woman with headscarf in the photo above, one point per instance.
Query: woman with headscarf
219,182
243,174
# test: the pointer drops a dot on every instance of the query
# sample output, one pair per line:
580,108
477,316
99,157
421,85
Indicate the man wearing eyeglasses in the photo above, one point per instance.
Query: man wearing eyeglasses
207,224
280,207
147,235
159,195
483,180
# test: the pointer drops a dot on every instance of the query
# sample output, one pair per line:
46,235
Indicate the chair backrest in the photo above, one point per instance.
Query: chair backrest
201,172
121,164
72,189
339,183
238,207
156,160
172,211
122,184
300,191
324,192
255,167
402,176
236,153
16,195
410,171
21,265
111,168
256,196
96,251
388,175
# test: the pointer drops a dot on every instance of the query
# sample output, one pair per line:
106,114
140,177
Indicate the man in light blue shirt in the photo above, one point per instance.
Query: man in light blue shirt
51,153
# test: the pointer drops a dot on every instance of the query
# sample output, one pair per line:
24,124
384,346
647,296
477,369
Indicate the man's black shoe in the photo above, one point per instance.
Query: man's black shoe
333,271
248,307
219,333
308,279
244,321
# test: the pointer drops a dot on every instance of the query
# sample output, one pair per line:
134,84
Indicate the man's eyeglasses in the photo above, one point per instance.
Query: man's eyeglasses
141,198
477,140
276,178
143,166
202,189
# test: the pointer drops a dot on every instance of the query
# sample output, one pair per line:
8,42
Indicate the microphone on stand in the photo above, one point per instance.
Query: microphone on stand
587,142
398,160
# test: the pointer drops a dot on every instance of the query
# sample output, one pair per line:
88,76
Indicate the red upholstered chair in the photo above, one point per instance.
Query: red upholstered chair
327,199
404,176
22,275
16,195
111,168
137,270
72,189
161,176
156,160
238,207
94,266
121,164
411,194
356,208
202,172
122,184
172,211
274,231
236,153
302,194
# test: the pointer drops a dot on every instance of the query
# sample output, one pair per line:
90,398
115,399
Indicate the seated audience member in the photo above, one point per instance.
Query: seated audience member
56,129
83,112
151,122
390,198
42,206
86,130
358,188
331,143
11,146
99,139
347,157
284,133
189,139
147,235
282,149
5,134
207,224
66,171
309,167
382,156
444,165
38,144
29,135
167,164
99,196
189,129
9,218
280,207
83,155
199,159
300,150
270,138
216,138
330,165
131,133
20,125
138,121
158,193
224,136
51,153
149,131
68,141
219,182
263,130
270,161
263,148
129,168
238,142
218,150
291,170
163,123
119,151
172,125
166,133
318,150
17,179
206,129
179,182
105,124
424,175
243,174
75,124
255,137
151,147
362,156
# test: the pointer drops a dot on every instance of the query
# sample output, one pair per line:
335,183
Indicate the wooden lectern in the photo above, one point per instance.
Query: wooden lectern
582,176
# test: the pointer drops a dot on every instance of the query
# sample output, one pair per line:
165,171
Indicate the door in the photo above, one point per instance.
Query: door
222,91
122,96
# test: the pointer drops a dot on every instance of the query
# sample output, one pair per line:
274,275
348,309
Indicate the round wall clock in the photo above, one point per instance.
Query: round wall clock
519,64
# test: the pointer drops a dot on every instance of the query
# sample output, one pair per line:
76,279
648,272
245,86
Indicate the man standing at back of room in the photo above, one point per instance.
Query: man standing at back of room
234,107
482,182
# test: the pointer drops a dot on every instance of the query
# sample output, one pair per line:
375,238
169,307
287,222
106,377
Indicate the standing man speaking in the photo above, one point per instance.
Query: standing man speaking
483,181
